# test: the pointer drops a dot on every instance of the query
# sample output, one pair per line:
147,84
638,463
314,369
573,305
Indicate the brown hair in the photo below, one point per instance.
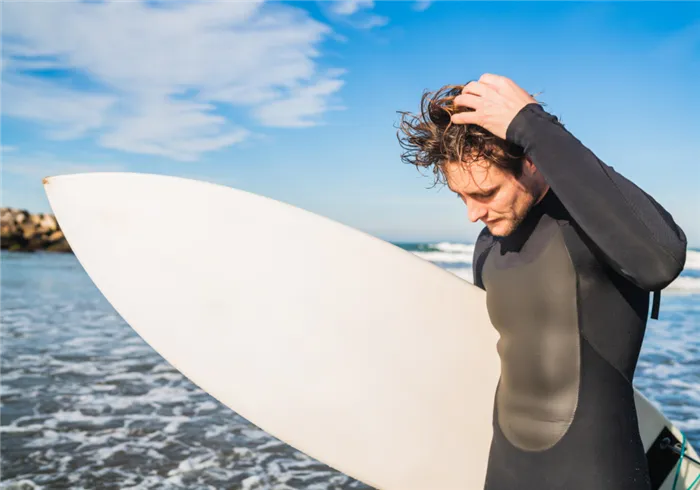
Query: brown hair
432,140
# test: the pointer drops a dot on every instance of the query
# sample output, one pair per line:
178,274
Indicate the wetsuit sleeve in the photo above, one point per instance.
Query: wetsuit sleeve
483,243
634,234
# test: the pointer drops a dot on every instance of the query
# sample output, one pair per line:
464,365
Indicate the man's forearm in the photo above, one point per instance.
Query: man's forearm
636,236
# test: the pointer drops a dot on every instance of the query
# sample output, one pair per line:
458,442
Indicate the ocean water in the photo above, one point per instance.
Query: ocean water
85,403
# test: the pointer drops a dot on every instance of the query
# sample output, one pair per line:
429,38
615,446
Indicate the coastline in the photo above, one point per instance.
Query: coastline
22,231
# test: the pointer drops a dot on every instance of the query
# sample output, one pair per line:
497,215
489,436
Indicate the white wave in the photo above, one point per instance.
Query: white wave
207,405
131,349
83,340
20,429
692,260
83,369
455,247
124,376
102,453
684,284
75,416
458,253
688,425
194,463
215,430
167,376
20,485
174,424
253,482
98,388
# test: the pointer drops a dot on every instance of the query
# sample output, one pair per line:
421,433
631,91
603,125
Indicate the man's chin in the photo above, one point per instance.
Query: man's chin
500,228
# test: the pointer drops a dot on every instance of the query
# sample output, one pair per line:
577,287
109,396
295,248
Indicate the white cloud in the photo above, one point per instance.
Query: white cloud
350,12
421,5
176,129
150,78
349,7
303,102
372,21
40,165
68,113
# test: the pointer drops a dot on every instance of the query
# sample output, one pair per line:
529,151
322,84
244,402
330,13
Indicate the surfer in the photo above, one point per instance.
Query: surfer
569,254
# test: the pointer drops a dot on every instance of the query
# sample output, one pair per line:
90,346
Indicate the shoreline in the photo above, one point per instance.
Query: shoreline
22,231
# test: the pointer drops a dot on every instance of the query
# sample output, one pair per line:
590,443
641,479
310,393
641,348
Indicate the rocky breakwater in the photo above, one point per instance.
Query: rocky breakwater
22,231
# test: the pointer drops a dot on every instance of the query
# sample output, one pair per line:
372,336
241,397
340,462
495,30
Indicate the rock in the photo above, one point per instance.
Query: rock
49,222
23,231
59,246
7,229
20,217
6,216
55,236
29,230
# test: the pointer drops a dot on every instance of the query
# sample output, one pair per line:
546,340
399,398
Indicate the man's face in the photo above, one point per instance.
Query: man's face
495,196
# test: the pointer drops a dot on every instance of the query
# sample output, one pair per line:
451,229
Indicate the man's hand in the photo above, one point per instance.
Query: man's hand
496,101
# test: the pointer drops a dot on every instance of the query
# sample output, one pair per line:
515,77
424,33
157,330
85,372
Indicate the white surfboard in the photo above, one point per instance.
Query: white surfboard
348,348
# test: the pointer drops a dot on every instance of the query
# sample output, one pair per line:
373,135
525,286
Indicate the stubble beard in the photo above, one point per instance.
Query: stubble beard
513,223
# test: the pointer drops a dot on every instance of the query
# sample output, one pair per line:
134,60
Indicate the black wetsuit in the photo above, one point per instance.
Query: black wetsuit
568,292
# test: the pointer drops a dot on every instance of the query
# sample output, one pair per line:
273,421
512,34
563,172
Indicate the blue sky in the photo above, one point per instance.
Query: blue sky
297,101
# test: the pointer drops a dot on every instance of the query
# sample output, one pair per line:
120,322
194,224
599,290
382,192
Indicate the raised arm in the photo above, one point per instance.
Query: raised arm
632,231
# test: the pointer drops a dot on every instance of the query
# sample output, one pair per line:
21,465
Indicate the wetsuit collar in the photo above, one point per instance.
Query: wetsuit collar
549,204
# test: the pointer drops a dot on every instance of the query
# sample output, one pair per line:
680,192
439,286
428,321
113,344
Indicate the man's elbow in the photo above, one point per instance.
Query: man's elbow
661,271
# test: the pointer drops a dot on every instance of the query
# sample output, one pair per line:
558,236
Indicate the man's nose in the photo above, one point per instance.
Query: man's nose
475,211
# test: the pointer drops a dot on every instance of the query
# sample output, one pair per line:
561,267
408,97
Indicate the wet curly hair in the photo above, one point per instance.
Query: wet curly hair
431,140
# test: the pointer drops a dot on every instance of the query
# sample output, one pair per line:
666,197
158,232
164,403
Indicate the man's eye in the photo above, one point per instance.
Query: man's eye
481,196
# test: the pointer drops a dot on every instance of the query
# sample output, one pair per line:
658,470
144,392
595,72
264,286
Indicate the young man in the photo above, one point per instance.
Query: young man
569,254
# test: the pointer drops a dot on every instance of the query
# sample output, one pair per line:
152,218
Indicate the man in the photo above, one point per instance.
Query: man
569,254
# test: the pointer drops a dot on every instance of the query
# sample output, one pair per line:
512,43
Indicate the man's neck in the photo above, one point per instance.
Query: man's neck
544,193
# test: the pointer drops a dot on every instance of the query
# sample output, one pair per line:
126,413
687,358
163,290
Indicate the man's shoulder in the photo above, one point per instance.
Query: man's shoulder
485,236
483,241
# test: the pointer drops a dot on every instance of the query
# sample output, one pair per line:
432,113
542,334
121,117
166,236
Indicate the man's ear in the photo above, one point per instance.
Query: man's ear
527,163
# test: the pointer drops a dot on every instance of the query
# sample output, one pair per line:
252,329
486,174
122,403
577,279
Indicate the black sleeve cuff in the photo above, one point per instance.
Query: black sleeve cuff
523,128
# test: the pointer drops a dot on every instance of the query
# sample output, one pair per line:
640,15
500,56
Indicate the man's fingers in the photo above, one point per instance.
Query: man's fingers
491,79
469,100
466,118
478,88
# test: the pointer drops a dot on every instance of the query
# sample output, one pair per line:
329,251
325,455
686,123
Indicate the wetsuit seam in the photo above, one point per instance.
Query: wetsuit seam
553,120
575,409
577,301
597,351
479,268
579,317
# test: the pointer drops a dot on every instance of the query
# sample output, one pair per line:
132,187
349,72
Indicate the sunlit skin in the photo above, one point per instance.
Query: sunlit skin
494,196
